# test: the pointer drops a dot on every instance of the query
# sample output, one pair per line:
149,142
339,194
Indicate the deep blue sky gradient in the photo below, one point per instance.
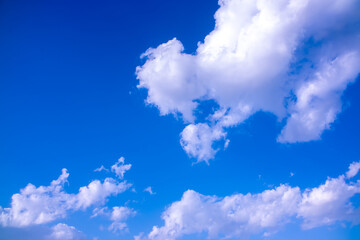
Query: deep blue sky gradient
68,98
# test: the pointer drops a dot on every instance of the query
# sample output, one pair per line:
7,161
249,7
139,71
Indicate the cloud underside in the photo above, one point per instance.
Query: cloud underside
265,213
293,58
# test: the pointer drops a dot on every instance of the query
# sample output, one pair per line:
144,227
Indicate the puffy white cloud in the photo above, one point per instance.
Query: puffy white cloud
236,215
38,205
176,95
319,100
293,58
353,170
329,203
62,231
197,140
119,168
119,215
241,215
97,192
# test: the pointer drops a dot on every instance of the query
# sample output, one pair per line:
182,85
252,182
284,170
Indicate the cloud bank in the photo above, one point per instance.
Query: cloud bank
265,213
293,58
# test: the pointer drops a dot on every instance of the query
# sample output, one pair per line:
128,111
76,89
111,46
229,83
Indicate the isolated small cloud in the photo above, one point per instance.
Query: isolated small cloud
102,168
149,190
240,215
353,170
119,168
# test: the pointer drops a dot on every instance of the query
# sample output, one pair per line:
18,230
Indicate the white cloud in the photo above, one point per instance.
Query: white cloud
140,236
102,168
149,190
121,213
197,140
353,170
119,168
97,192
226,144
232,216
264,213
319,100
293,58
62,231
38,205
177,94
329,203
119,216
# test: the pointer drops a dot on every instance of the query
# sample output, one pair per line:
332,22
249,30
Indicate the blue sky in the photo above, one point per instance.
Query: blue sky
70,98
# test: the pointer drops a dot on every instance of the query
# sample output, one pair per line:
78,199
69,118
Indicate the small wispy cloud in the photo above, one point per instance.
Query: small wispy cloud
149,190
119,168
102,168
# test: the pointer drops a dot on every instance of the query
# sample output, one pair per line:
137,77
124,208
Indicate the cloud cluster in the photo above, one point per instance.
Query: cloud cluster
293,58
265,213
39,205
118,216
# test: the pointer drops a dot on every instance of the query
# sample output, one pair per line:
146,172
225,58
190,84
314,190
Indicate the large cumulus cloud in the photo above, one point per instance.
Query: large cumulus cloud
293,58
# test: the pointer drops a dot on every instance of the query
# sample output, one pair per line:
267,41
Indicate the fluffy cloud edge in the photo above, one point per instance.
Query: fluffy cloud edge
267,212
39,205
284,57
